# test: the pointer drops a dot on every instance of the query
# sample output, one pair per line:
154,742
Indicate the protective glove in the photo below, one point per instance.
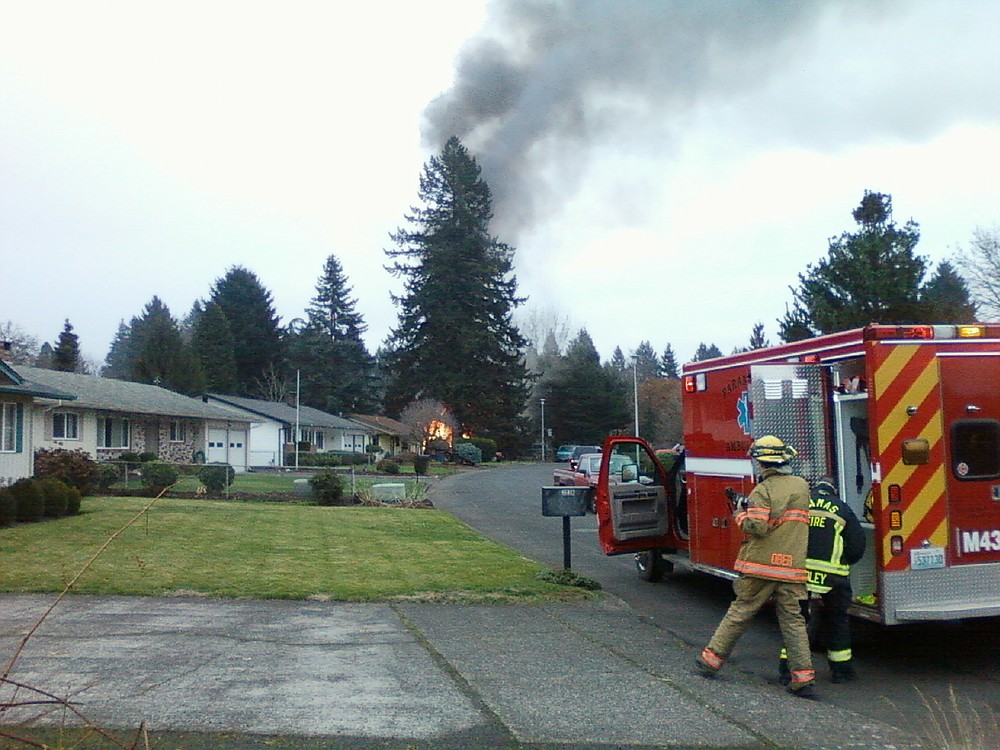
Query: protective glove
737,502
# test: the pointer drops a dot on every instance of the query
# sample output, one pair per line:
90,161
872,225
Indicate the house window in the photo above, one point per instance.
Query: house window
319,439
305,436
10,428
178,431
65,426
112,433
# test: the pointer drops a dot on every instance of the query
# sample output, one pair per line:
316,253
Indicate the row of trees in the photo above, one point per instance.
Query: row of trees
455,343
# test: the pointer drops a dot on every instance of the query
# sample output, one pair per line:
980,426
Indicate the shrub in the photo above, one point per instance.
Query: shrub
406,457
420,464
73,498
387,466
130,457
487,446
56,496
319,459
327,487
467,453
216,477
146,457
75,468
108,474
159,474
8,507
30,500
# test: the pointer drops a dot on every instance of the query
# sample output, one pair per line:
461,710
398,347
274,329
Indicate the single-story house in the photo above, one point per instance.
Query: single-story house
273,426
108,417
17,407
391,435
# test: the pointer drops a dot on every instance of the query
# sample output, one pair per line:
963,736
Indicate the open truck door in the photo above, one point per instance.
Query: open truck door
633,499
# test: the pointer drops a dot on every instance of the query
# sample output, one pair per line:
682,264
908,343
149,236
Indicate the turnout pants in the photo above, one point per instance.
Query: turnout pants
751,594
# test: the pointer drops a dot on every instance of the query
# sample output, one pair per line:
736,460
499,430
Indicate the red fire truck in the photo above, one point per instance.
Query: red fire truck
906,419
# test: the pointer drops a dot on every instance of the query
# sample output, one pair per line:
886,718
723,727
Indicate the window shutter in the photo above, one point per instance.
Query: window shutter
19,428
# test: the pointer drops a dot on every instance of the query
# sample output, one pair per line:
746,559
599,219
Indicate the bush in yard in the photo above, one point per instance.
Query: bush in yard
216,477
406,457
487,446
467,453
73,498
108,474
387,466
327,487
75,468
56,496
147,456
30,500
130,457
159,474
8,507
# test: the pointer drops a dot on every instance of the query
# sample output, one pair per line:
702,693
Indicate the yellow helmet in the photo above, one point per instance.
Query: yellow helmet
771,450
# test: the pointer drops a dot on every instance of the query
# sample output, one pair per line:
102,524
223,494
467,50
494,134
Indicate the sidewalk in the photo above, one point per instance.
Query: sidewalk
592,674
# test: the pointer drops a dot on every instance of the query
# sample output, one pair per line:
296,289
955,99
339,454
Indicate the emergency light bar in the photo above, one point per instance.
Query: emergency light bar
925,332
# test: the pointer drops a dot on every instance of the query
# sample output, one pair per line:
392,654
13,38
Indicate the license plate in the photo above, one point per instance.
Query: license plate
927,558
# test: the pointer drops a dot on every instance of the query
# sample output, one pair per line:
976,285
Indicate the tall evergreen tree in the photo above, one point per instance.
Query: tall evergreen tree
585,402
249,310
757,338
870,276
158,355
945,297
706,351
455,339
66,355
618,362
118,362
668,364
213,347
646,362
336,370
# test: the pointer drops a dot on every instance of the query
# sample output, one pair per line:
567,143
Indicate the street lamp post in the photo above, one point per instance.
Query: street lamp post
542,401
635,391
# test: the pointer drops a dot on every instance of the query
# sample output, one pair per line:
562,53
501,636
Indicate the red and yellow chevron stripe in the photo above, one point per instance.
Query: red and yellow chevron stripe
907,375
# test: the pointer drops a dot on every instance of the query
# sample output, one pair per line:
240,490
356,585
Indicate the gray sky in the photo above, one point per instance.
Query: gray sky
664,169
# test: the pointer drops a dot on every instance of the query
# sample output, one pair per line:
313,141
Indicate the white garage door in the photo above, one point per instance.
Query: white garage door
227,446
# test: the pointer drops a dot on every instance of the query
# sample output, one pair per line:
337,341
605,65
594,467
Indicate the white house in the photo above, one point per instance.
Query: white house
107,417
273,425
17,409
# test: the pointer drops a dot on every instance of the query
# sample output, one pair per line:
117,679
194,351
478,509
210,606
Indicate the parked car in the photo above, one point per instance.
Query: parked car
574,460
565,452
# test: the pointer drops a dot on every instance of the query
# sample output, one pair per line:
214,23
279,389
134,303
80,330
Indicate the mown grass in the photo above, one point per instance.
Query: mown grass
268,551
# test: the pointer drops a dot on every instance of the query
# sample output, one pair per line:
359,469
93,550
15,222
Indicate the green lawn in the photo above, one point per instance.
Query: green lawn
268,550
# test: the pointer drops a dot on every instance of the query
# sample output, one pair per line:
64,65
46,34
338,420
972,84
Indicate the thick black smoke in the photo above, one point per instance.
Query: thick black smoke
550,78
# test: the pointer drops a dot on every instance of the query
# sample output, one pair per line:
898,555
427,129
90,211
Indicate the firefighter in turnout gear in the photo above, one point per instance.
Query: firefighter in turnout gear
836,542
772,561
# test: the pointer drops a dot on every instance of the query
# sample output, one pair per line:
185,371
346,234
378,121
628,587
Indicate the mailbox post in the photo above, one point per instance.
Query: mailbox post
565,502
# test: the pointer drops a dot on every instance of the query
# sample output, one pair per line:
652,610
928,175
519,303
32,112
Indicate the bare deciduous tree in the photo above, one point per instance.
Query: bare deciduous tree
423,417
980,265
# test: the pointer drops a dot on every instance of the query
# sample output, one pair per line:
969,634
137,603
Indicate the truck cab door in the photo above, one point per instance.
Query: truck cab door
632,498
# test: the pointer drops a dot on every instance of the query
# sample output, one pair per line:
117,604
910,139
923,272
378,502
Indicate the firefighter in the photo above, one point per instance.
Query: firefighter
836,542
772,561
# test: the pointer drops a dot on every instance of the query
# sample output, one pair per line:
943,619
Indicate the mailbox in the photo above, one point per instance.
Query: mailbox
564,501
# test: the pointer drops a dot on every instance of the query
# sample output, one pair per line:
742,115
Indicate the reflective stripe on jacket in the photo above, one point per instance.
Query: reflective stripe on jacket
776,522
836,540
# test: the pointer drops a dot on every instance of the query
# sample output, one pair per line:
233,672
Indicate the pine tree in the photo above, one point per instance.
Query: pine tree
455,340
646,362
757,338
66,355
585,402
336,370
158,355
870,276
668,364
618,362
706,351
249,310
945,298
214,347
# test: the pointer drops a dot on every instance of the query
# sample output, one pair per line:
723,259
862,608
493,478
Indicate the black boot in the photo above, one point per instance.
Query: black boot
784,674
842,671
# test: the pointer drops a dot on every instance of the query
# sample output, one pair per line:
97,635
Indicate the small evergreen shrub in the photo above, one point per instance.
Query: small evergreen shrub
8,507
30,500
73,498
467,453
216,477
56,496
75,468
146,457
159,474
420,465
130,457
387,466
487,446
327,487
406,457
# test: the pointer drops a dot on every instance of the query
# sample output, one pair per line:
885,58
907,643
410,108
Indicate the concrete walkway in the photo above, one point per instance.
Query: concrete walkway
591,674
